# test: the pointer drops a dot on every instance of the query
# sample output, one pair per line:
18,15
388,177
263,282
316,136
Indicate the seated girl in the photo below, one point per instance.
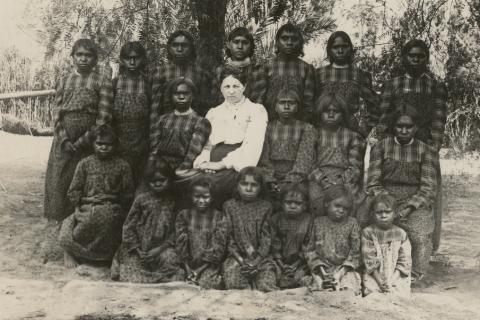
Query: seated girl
333,253
386,251
101,191
339,152
147,252
201,236
288,150
248,264
290,236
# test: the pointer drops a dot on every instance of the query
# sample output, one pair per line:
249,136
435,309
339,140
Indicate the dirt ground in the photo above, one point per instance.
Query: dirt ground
32,289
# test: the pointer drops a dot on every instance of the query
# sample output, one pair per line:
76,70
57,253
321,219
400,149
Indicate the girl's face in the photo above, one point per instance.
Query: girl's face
338,209
239,48
331,116
104,147
288,43
158,183
383,215
286,107
248,188
294,204
340,51
84,60
404,129
180,48
182,97
201,198
417,59
132,61
232,89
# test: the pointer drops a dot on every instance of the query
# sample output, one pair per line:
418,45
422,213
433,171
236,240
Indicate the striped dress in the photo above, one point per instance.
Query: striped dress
81,102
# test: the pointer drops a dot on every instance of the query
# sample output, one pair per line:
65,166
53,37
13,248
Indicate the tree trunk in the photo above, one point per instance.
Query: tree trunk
210,15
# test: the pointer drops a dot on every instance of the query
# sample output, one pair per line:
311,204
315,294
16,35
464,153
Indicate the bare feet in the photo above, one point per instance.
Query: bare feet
69,261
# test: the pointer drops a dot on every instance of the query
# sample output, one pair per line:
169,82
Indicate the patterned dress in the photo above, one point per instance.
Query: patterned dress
81,102
93,232
430,98
339,161
249,236
355,86
179,138
290,237
131,116
170,71
201,239
386,251
256,85
149,225
408,173
336,244
297,73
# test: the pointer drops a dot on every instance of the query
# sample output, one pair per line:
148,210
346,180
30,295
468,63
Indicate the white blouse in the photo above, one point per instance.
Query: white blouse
244,123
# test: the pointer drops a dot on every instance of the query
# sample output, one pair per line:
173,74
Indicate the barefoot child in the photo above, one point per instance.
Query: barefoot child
290,235
201,236
131,109
101,191
288,150
248,264
339,152
386,251
83,99
147,251
333,253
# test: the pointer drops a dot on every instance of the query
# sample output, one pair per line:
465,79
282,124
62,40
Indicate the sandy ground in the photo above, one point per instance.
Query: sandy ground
32,289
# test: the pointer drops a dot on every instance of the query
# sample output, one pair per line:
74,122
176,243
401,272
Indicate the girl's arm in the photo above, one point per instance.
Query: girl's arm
425,195
199,139
356,154
353,259
129,236
264,162
439,115
305,155
265,242
309,92
374,181
77,186
370,256
181,235
128,186
404,262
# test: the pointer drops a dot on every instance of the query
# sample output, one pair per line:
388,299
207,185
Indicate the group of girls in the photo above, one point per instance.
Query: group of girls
247,196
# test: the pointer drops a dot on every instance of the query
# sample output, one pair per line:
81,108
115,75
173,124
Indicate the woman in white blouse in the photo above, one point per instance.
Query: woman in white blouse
236,140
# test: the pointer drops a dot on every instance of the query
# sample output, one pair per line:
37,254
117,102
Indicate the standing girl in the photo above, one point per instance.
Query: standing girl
249,264
147,251
83,99
386,251
131,108
201,236
333,252
339,152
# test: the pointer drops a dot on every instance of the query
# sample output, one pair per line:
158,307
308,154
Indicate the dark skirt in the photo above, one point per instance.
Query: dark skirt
224,181
61,166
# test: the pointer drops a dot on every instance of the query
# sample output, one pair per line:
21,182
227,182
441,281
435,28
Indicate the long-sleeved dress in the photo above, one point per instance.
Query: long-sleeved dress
249,236
290,237
81,102
201,239
94,232
131,119
336,244
297,73
386,251
339,161
429,97
149,225
355,86
256,83
408,173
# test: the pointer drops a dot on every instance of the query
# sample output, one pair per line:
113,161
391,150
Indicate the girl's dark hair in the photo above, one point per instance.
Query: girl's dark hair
86,44
289,91
257,175
346,38
337,191
289,27
173,85
237,74
201,181
403,108
241,32
186,34
296,188
104,131
327,99
385,198
415,43
157,164
133,46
